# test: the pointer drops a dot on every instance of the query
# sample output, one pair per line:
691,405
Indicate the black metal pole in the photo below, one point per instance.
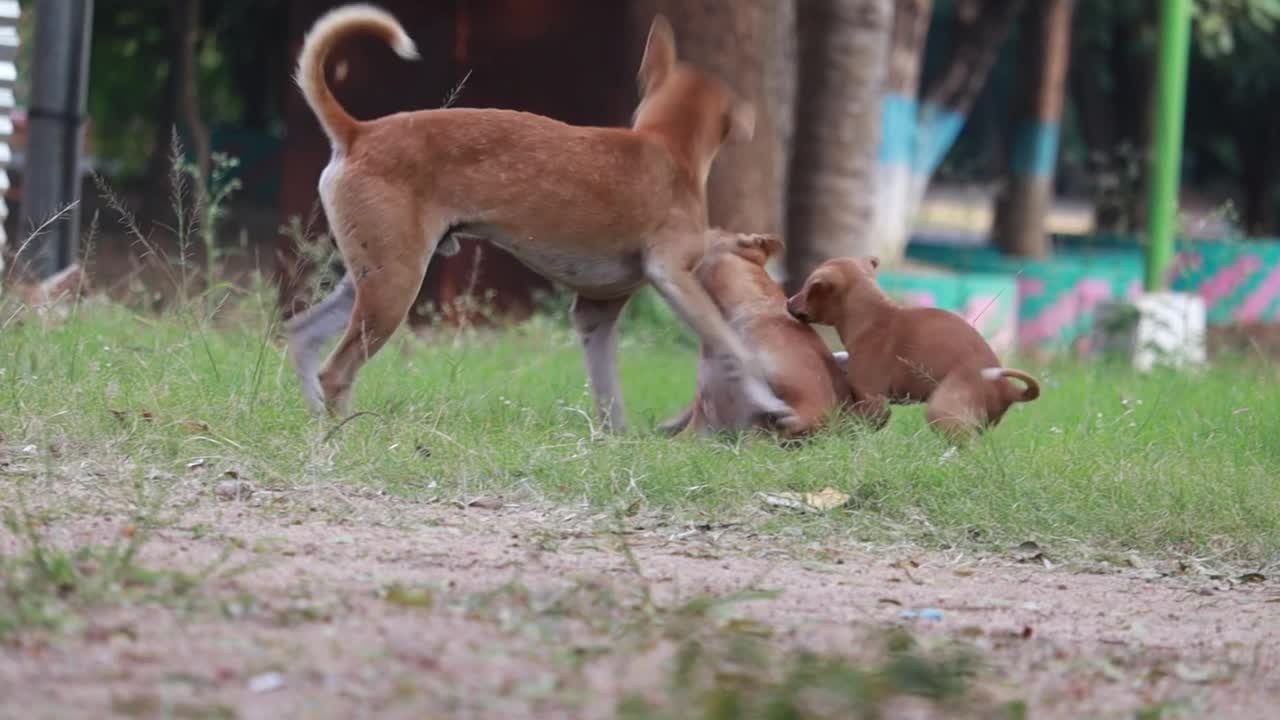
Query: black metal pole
51,176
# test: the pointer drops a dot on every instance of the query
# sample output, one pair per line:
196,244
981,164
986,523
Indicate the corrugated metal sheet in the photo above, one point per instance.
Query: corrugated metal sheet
10,11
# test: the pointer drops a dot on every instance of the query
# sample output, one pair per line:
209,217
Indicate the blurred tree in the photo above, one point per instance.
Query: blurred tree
918,132
1113,46
1235,76
191,63
1027,195
1234,88
842,47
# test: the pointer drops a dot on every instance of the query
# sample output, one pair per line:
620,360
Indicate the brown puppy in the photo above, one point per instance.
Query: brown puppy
601,210
909,355
801,369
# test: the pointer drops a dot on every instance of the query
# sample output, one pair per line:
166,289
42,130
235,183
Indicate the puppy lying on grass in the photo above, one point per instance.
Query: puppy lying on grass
909,355
799,367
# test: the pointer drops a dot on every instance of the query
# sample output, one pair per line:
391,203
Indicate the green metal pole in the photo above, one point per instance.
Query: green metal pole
1171,100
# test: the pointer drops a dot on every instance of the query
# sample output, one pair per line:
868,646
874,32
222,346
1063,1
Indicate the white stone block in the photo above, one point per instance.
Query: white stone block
1155,329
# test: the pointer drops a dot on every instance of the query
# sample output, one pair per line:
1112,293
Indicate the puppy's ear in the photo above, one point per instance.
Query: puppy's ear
804,304
659,55
742,122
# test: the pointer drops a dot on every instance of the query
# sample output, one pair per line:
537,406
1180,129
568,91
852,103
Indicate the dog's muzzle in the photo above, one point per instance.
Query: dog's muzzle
797,314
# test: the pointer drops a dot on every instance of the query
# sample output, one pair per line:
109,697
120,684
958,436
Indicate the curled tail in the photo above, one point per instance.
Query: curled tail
328,31
1029,393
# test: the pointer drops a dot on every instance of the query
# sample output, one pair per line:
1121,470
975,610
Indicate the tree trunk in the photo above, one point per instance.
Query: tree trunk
898,123
187,27
1259,147
743,43
1024,205
981,27
842,51
181,108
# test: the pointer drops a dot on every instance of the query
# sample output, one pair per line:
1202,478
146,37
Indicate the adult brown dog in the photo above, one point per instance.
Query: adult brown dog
801,369
601,210
909,355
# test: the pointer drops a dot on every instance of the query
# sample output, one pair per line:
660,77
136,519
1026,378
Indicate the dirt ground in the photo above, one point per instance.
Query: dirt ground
361,605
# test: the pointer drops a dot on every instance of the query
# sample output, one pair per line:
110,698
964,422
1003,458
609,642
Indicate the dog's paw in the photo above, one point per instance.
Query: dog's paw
449,246
765,402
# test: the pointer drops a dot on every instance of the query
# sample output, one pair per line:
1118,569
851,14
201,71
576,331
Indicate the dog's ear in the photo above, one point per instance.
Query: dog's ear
742,121
659,54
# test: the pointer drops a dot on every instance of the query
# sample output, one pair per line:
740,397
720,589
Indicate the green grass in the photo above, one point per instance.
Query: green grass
1106,460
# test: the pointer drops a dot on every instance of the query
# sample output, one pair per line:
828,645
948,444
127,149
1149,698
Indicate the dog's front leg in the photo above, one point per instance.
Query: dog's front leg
674,280
596,322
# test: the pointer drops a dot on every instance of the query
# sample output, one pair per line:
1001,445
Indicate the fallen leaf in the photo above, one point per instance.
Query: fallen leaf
418,597
197,464
1107,668
1030,552
746,626
266,682
1252,578
1029,547
233,490
1194,674
633,508
825,499
487,503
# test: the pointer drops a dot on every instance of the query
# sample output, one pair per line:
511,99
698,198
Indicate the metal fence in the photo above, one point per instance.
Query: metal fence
9,15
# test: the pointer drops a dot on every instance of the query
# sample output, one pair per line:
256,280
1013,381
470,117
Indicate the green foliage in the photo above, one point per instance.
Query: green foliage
130,97
1220,22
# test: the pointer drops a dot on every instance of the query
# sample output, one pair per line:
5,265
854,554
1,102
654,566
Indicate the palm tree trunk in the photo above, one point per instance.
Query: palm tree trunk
898,123
842,48
1024,205
981,27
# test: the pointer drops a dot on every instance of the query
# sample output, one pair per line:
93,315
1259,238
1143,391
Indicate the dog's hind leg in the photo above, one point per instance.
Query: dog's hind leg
956,408
309,331
387,245
596,322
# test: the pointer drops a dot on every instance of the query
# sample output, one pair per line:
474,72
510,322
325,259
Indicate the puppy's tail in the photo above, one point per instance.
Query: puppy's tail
1029,393
328,31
